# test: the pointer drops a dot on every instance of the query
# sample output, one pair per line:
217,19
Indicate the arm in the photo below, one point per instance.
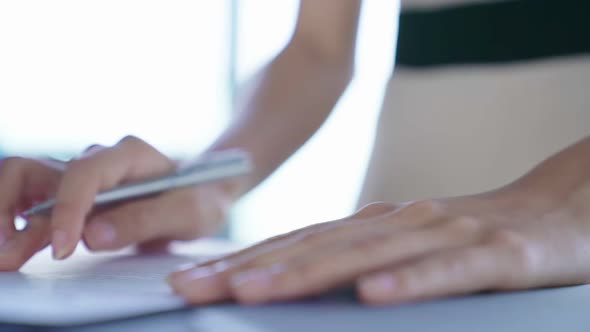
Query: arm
294,94
565,177
532,233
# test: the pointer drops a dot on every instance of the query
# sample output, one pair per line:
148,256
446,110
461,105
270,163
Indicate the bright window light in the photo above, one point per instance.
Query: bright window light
74,73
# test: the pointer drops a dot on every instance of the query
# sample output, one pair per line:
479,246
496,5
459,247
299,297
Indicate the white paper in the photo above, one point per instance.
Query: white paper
96,287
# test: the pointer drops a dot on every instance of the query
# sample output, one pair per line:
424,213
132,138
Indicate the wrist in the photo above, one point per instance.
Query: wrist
539,197
519,198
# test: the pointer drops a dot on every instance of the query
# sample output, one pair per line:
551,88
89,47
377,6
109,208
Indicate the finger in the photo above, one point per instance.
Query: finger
273,243
371,221
453,272
198,285
315,273
74,199
269,248
22,181
135,223
11,184
122,226
23,245
207,282
85,178
196,213
504,260
245,255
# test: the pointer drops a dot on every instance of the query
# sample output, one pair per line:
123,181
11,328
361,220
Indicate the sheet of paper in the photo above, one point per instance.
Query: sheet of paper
96,287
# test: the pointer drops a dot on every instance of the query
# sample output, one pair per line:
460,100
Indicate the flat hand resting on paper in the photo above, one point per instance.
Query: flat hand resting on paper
196,211
532,233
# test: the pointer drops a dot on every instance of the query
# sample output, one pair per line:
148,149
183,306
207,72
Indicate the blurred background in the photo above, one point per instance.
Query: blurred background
78,72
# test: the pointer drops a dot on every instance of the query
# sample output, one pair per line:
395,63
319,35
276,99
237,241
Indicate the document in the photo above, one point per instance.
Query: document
97,287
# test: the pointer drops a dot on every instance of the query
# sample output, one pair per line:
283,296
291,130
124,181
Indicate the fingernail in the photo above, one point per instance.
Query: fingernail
102,233
199,268
192,276
59,242
378,284
185,267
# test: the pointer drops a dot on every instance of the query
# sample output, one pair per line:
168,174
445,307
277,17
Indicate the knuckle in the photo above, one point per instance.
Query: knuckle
130,140
296,236
313,233
92,172
373,209
142,154
11,163
507,239
464,226
311,236
79,166
134,147
428,207
519,252
303,273
10,167
94,147
91,150
367,247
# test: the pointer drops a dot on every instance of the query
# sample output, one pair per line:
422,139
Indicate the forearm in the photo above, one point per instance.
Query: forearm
563,177
283,107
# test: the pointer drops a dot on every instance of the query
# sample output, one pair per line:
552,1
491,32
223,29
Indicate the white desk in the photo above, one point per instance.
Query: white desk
559,309
565,309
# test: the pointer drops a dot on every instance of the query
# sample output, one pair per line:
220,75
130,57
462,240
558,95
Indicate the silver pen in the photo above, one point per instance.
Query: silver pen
211,167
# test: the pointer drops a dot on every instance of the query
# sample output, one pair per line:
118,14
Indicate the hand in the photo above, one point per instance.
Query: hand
501,240
181,214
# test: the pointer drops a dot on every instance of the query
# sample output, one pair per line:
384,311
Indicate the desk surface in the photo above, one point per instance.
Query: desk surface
558,309
562,309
